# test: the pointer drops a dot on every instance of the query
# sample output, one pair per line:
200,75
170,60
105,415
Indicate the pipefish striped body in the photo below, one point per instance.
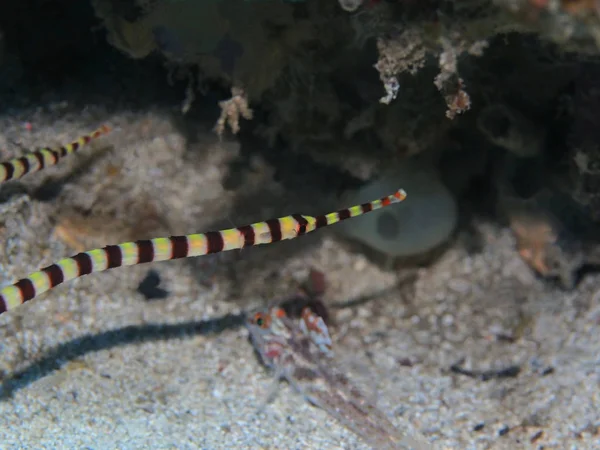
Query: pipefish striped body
176,247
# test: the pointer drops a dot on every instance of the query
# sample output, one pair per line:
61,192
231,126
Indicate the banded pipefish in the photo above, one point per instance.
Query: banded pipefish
162,248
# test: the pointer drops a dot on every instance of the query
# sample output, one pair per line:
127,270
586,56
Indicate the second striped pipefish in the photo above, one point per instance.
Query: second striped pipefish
45,157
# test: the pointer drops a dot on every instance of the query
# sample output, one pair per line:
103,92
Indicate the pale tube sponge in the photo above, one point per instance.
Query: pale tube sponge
425,220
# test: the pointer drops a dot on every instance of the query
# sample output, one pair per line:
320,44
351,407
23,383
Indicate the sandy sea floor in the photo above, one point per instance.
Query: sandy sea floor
93,364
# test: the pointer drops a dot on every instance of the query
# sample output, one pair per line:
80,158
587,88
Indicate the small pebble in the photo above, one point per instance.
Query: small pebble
447,320
360,264
459,285
536,436
548,371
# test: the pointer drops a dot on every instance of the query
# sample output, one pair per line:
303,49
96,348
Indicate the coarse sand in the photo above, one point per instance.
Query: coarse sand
93,364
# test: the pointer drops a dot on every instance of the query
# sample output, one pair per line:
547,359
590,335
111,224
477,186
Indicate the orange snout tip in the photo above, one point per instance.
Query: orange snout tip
400,195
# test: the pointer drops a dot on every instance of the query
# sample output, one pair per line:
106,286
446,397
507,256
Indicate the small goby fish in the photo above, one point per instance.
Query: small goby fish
301,354
175,247
44,157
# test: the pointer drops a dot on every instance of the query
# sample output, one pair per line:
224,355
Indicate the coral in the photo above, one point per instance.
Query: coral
448,82
456,97
405,53
231,110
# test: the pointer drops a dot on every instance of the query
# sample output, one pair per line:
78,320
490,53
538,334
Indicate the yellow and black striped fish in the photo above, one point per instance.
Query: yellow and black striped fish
175,247
44,157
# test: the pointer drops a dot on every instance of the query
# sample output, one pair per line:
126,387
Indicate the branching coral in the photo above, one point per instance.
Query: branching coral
407,52
448,82
231,110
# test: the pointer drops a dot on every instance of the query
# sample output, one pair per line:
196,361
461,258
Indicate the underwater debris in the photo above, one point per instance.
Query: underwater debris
532,239
69,232
486,375
546,247
80,231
